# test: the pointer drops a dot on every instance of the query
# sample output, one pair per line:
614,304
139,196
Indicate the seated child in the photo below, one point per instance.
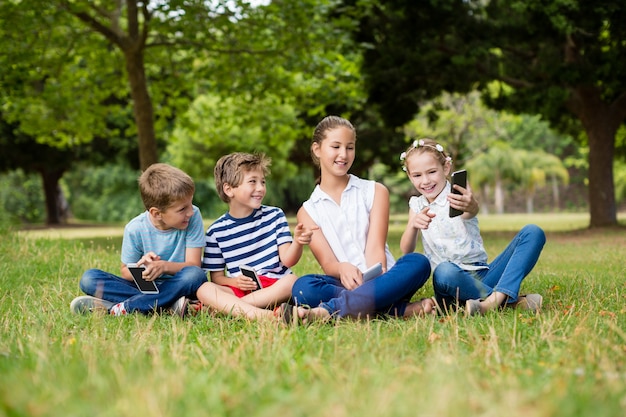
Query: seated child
167,239
249,234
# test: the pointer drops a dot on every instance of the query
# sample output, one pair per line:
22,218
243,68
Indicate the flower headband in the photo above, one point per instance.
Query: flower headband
417,143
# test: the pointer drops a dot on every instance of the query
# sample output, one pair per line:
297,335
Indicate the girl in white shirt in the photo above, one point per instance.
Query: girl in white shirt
454,245
352,215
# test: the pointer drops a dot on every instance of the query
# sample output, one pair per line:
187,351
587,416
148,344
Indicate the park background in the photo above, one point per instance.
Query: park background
529,96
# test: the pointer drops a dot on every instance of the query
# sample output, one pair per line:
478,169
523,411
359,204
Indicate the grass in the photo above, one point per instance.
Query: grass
570,360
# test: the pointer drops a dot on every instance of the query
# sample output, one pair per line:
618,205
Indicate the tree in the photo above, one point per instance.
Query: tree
562,59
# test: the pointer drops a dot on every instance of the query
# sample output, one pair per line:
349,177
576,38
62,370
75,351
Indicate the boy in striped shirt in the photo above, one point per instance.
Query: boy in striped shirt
251,234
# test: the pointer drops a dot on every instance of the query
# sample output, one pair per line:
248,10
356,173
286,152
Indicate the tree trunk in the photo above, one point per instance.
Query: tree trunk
142,108
499,196
50,178
556,195
600,122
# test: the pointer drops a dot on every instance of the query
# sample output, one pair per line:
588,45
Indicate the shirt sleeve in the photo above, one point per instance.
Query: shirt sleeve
195,230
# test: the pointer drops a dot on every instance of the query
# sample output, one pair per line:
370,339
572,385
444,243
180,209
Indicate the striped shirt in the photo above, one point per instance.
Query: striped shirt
252,241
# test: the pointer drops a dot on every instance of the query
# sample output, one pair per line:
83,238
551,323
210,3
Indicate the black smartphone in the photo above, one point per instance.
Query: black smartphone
459,178
146,287
251,273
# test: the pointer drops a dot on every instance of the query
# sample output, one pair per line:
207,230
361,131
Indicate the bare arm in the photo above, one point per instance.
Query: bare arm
290,253
378,228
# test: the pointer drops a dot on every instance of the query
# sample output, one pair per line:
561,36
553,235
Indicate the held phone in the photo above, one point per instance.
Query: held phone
372,272
146,287
251,273
459,178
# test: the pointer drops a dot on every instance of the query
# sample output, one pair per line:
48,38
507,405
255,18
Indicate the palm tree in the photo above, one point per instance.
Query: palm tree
537,165
494,168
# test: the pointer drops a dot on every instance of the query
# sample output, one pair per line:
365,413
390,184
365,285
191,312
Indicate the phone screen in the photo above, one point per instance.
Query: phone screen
146,287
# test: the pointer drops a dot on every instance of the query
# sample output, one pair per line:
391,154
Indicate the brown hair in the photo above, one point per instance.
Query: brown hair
230,169
162,185
328,123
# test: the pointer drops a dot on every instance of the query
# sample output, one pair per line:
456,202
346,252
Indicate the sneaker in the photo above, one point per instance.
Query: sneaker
472,308
87,304
179,308
530,302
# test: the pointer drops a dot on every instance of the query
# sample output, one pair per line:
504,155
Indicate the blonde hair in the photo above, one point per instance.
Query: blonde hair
230,169
162,185
425,145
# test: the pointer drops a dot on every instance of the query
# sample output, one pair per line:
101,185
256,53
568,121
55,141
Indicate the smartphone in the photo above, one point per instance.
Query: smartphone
459,178
146,287
372,272
251,273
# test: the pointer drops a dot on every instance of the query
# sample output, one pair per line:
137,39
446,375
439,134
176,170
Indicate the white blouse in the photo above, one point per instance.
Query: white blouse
345,226
450,239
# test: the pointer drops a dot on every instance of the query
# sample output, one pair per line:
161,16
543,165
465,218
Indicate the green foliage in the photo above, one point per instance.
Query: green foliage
104,194
237,124
21,198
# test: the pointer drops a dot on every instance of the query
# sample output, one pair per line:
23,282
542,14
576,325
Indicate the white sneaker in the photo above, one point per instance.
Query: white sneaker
180,307
472,308
87,304
530,302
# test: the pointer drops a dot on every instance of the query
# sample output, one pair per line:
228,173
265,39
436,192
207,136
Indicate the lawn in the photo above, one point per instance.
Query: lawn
569,360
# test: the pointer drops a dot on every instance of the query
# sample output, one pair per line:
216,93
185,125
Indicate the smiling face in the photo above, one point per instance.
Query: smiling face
247,196
427,174
176,216
336,151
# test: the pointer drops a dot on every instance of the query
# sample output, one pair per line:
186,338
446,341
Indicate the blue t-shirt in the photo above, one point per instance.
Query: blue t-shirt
141,237
252,241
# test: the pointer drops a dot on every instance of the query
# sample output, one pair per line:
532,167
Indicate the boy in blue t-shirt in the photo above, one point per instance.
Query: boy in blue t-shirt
249,234
167,239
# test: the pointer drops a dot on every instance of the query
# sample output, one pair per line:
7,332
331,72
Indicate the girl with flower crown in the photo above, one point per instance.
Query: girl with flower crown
454,246
349,217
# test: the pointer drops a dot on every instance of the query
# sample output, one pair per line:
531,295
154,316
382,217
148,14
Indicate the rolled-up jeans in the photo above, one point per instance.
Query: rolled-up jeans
505,274
110,287
388,293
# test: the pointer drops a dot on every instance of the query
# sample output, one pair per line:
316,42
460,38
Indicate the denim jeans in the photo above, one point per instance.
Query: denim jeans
505,273
389,293
116,289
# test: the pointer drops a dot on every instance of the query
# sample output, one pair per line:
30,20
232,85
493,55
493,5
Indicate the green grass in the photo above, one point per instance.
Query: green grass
570,360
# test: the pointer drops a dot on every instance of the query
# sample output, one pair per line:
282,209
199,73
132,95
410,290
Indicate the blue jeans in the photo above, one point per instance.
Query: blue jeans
116,289
505,274
387,294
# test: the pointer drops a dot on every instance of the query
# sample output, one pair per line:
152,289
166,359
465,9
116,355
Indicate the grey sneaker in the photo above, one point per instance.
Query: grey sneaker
530,302
179,308
472,308
87,304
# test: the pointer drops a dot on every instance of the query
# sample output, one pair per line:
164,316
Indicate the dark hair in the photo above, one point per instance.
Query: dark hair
328,123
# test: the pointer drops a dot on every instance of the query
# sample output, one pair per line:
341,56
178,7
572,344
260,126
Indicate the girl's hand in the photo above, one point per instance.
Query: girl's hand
422,219
350,276
464,201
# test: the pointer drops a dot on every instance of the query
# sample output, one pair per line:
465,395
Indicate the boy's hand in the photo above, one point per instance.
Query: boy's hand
244,283
422,219
154,268
303,235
